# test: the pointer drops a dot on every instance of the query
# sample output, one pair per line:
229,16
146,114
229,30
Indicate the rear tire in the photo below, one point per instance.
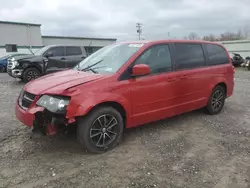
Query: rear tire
2,69
30,74
216,101
101,130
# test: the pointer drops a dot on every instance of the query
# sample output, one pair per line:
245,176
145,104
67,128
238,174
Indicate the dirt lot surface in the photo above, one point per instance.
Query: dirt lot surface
193,150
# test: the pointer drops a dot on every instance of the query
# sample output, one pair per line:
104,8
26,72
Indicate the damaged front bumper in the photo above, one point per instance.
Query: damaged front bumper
42,121
48,123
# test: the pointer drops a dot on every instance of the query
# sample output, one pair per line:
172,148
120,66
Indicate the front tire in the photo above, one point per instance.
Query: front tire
101,130
30,74
2,69
216,101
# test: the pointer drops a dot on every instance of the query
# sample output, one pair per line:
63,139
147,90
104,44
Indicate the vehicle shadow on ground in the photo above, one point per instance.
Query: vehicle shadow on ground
69,144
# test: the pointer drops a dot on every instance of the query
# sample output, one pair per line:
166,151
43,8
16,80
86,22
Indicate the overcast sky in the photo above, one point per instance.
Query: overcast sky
117,18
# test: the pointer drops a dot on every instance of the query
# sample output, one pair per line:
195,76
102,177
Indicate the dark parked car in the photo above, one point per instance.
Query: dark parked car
237,59
4,61
48,59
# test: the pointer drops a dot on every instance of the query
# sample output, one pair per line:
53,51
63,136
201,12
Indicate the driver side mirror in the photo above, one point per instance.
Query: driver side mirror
140,70
49,54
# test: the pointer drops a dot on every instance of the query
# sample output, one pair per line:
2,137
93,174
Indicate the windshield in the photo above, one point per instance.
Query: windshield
41,51
108,59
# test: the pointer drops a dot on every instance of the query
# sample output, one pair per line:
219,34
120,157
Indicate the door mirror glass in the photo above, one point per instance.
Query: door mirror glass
49,54
140,70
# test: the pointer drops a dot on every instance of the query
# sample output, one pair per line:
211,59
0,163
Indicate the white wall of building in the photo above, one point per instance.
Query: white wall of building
20,34
48,40
241,46
25,35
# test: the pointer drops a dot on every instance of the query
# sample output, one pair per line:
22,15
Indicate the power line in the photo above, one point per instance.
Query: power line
139,29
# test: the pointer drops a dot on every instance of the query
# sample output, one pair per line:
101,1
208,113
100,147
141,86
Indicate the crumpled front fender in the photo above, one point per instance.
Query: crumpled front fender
76,109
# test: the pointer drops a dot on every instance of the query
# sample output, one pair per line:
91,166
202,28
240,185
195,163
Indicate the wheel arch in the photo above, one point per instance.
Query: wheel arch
224,85
117,102
33,66
115,105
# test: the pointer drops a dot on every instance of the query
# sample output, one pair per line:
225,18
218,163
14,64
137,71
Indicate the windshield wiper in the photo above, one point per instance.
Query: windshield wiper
90,66
94,69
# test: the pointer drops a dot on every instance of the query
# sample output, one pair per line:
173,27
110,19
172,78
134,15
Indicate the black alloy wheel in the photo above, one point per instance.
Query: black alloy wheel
100,130
217,100
30,74
2,69
104,130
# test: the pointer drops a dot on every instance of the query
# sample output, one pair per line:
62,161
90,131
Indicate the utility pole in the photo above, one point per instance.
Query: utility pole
139,29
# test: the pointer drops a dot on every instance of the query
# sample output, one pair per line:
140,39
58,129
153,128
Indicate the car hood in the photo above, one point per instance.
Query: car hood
21,57
3,61
56,83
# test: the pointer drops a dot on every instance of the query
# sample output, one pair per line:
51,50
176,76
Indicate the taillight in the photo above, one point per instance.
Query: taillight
233,69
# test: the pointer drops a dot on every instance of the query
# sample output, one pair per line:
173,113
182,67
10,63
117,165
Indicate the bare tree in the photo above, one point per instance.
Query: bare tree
246,32
193,36
210,37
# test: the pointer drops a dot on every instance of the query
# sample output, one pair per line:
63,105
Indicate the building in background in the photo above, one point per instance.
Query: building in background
16,37
241,47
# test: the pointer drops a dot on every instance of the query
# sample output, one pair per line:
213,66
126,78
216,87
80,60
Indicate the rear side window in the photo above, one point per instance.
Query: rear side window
189,56
73,50
216,54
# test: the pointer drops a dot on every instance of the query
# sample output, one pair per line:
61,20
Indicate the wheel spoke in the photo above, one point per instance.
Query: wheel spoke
105,120
103,139
100,123
219,102
99,140
221,97
112,132
96,134
110,121
108,136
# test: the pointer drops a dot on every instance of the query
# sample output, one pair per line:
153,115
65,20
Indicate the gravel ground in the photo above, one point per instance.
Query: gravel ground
193,150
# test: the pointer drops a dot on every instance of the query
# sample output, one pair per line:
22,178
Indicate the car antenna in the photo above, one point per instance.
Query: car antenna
29,49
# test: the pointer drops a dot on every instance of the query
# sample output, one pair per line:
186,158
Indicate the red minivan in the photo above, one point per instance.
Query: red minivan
124,85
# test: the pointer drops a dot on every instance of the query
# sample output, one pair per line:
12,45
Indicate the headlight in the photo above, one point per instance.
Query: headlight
15,63
55,104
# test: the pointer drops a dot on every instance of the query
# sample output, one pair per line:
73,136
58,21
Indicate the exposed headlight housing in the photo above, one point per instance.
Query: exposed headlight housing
12,63
55,104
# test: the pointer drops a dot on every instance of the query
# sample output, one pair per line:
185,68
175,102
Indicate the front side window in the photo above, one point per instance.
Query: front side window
56,51
108,59
189,56
216,54
73,50
157,58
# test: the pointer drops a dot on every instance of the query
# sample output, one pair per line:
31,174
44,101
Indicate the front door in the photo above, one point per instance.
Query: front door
153,96
58,59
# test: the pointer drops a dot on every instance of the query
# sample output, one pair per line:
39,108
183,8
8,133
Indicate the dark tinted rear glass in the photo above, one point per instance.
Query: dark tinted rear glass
189,56
73,50
216,54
